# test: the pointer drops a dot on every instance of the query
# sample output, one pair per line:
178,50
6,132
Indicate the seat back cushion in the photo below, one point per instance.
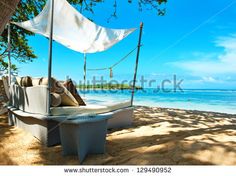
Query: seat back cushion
55,100
69,85
54,87
67,98
18,80
24,81
35,81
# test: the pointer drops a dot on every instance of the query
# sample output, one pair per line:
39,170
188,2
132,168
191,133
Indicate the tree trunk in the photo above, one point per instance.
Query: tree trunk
7,8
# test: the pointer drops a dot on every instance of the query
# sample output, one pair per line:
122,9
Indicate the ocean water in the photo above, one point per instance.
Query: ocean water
204,100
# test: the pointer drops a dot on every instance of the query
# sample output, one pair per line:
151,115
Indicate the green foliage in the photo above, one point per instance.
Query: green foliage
27,9
4,65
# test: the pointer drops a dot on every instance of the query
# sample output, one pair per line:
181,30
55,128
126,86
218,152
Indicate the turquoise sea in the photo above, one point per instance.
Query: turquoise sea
204,100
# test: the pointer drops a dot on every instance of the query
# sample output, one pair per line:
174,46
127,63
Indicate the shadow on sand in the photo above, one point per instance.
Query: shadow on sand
158,136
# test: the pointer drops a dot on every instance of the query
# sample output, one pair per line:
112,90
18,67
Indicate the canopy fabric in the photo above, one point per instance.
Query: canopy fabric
7,8
73,30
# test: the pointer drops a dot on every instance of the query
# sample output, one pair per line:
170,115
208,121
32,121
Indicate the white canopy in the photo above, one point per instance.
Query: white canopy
73,30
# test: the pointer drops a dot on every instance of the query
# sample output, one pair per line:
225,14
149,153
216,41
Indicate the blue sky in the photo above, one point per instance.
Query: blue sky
195,40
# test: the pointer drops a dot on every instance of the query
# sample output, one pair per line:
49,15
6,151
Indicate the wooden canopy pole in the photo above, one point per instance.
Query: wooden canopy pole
136,64
9,52
50,59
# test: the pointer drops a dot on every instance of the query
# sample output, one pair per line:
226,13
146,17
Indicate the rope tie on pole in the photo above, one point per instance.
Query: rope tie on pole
111,73
115,64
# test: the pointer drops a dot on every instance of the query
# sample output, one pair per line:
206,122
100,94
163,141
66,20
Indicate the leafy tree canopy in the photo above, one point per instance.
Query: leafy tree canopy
27,9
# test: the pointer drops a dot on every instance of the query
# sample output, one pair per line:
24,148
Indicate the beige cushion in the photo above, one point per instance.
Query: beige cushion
24,81
69,85
18,80
54,87
35,81
67,98
55,100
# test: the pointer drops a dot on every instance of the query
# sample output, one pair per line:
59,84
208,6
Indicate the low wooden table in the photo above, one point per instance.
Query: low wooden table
84,135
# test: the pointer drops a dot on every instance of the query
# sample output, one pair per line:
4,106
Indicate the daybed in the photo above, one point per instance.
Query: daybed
28,110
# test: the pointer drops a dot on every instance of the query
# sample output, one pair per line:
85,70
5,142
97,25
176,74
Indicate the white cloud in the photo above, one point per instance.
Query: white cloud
209,79
212,64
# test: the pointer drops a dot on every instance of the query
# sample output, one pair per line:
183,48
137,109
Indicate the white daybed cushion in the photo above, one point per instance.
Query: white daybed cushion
88,109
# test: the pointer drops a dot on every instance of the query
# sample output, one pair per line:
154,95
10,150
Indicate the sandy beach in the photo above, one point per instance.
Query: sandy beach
158,136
